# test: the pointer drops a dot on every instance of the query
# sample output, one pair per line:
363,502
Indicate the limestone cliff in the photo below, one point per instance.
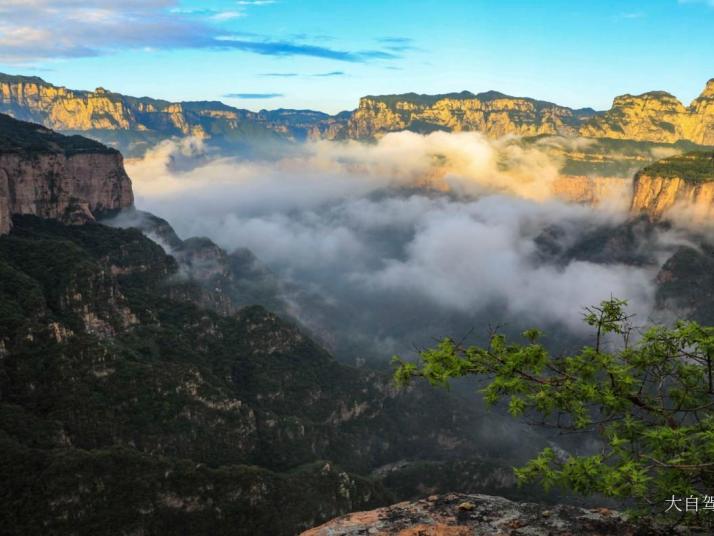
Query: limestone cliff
702,130
683,182
592,191
33,99
493,113
132,124
656,116
53,176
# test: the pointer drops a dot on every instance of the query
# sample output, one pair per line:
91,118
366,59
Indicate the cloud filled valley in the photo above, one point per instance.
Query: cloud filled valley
411,238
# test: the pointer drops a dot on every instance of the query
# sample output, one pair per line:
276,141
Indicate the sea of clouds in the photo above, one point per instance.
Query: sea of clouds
408,238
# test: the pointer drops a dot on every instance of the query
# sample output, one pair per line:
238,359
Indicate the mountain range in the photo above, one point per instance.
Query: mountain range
133,124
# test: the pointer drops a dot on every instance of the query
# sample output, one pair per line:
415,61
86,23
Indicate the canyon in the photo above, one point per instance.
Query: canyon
132,359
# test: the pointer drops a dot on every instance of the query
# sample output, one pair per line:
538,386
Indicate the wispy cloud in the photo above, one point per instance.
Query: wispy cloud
47,29
294,75
330,74
397,44
227,15
280,75
287,48
396,40
253,95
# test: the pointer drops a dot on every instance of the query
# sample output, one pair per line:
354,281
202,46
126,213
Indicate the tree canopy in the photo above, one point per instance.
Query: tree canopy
647,395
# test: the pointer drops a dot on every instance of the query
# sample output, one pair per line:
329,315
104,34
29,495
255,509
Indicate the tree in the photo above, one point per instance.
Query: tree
650,402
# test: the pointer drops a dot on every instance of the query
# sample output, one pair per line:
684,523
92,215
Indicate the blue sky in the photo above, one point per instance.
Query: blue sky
324,55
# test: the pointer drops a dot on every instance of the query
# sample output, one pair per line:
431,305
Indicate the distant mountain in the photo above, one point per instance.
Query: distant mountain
657,116
654,117
492,112
133,124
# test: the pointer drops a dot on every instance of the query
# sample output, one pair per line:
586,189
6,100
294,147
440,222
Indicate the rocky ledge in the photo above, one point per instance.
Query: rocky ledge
470,515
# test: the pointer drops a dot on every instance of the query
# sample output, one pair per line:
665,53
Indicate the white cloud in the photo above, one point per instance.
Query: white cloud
74,28
227,15
335,216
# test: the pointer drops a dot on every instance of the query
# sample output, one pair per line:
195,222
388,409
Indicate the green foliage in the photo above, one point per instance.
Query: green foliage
695,166
650,403
29,138
112,430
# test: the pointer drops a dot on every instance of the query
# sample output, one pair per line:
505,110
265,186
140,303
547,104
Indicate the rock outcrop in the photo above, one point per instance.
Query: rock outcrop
53,176
469,515
656,116
683,182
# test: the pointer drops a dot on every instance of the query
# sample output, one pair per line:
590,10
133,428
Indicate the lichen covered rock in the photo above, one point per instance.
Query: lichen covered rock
471,515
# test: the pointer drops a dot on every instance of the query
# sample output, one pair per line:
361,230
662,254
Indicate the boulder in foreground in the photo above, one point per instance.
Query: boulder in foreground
468,515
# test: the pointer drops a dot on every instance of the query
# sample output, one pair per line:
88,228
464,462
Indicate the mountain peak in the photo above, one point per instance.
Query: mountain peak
708,90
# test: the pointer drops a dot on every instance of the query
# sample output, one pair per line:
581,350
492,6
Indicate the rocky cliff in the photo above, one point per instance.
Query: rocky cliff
684,182
592,191
656,116
133,124
468,515
54,176
493,113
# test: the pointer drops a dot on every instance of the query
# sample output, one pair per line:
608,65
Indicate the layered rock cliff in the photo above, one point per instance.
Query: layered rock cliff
656,116
53,176
133,124
33,99
592,191
493,113
684,184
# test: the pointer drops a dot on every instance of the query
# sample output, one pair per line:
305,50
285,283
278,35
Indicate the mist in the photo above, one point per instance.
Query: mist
401,241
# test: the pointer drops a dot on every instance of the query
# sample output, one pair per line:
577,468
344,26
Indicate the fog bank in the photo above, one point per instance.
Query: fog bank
412,237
